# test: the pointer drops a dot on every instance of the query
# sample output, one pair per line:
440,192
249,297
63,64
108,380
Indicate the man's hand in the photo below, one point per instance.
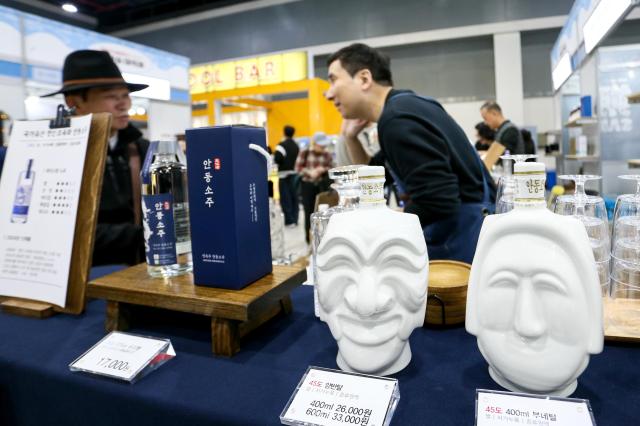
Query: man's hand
349,131
351,127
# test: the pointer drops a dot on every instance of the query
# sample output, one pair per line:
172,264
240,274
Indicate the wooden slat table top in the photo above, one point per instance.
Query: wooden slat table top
135,286
622,320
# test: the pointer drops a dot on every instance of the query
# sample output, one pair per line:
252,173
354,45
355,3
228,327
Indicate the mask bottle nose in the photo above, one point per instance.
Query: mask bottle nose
367,298
529,320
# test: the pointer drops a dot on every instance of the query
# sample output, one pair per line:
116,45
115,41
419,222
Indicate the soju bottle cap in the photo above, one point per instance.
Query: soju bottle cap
371,172
166,147
527,168
345,173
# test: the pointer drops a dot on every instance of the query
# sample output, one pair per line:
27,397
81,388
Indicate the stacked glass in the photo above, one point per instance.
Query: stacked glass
591,211
624,305
507,182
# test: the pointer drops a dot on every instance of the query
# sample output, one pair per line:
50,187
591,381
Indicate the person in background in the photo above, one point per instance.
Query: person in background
507,134
313,165
285,157
529,144
92,83
425,149
484,135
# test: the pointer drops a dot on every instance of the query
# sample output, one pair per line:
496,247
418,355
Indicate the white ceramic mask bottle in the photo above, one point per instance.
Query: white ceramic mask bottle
534,297
372,281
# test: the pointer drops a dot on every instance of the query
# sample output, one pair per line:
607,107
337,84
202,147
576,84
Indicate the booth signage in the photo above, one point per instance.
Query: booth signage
497,408
331,397
251,72
246,73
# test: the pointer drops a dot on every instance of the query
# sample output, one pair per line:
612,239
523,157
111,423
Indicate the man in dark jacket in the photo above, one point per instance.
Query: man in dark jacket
425,149
92,83
285,157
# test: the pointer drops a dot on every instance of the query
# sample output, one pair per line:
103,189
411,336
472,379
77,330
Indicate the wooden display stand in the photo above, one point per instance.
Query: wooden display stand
85,229
625,312
233,313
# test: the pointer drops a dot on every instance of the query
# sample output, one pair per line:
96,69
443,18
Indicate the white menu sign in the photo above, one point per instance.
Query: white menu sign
496,408
39,193
327,397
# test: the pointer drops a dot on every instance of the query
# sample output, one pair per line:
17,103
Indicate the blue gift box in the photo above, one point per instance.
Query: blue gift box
228,206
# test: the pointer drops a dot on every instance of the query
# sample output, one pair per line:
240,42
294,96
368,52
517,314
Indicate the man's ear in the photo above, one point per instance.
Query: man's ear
365,78
75,101
71,101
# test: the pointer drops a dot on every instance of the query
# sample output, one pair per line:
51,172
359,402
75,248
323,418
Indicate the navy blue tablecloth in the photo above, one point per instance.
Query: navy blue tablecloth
251,388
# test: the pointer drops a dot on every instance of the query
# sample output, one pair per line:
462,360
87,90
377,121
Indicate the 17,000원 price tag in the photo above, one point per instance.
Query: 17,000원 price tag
330,397
124,356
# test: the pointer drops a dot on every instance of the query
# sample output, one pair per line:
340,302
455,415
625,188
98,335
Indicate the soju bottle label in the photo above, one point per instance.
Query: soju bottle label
530,178
159,229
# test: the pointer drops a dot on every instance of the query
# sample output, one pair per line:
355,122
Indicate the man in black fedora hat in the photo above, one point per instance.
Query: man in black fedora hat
92,83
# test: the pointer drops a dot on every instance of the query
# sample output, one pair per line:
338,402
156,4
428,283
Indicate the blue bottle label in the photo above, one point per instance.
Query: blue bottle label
159,229
21,210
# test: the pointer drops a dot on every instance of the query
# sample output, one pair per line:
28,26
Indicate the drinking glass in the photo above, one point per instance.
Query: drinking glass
592,212
507,182
623,309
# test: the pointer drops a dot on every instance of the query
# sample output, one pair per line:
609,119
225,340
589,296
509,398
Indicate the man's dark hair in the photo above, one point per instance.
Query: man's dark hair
491,106
289,131
83,93
485,131
359,56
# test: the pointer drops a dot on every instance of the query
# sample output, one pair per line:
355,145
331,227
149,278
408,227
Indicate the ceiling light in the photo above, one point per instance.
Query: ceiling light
68,7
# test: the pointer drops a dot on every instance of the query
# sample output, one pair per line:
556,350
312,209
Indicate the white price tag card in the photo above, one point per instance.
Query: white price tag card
330,397
496,408
124,356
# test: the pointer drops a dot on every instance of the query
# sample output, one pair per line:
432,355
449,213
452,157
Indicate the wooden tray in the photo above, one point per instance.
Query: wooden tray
233,313
447,299
625,313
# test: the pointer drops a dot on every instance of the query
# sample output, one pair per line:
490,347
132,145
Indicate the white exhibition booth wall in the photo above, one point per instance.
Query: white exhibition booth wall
32,55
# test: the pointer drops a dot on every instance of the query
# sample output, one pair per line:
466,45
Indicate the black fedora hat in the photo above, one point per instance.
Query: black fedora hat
84,69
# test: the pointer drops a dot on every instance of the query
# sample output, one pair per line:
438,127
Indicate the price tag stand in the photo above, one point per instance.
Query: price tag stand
124,356
85,227
498,408
326,397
